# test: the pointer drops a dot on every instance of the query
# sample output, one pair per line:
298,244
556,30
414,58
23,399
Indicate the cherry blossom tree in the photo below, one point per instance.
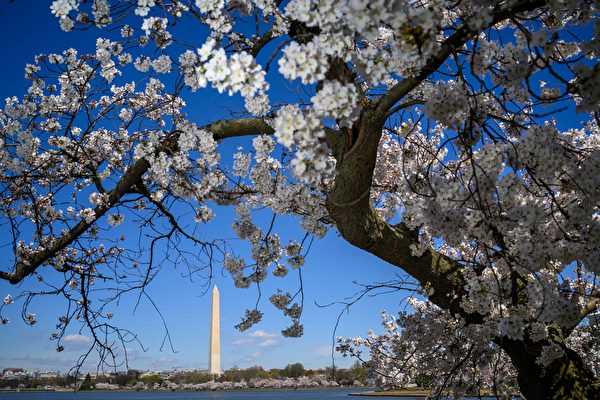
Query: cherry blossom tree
455,140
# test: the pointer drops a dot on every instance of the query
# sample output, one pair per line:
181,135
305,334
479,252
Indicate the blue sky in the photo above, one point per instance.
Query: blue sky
28,28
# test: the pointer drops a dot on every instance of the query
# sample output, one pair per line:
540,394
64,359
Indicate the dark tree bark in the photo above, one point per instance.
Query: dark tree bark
565,378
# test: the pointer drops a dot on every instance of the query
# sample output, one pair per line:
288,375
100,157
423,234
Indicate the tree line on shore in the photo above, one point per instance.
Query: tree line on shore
292,376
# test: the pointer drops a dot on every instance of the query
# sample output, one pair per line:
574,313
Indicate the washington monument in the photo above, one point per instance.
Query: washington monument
214,355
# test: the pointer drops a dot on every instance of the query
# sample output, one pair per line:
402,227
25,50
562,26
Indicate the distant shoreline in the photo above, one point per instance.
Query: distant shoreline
12,391
61,390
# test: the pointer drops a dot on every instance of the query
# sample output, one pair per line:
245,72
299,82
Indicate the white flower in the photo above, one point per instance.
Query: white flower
449,104
338,101
241,164
115,219
512,327
263,146
297,261
154,23
258,105
216,70
8,299
240,73
98,198
158,195
539,38
61,8
312,161
252,317
88,215
144,7
162,64
126,31
538,331
206,50
101,13
66,24
233,265
204,214
280,270
125,114
142,63
295,330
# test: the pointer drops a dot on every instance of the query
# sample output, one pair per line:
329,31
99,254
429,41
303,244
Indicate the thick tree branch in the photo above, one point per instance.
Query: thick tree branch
261,42
238,127
349,206
589,308
567,377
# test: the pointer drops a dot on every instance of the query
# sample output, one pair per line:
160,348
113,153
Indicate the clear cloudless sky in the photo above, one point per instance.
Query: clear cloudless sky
28,28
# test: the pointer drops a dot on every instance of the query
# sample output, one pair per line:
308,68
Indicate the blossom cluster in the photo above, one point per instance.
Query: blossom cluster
312,161
216,17
238,73
449,104
251,318
310,61
338,101
156,28
258,105
430,341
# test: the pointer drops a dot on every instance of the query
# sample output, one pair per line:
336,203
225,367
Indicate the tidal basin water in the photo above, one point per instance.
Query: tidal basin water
341,394
332,394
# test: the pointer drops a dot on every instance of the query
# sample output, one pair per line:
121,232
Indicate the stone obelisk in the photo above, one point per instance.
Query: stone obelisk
214,355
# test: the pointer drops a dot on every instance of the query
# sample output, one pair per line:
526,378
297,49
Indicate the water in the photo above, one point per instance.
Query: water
332,394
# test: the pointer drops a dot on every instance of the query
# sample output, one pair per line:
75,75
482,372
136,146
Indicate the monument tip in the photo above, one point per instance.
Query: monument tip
215,289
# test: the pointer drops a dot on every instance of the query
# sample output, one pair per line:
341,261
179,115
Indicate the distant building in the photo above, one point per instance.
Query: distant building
48,374
164,374
14,374
101,374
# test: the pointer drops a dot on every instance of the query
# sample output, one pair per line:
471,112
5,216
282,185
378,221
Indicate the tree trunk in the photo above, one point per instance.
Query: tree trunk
566,378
